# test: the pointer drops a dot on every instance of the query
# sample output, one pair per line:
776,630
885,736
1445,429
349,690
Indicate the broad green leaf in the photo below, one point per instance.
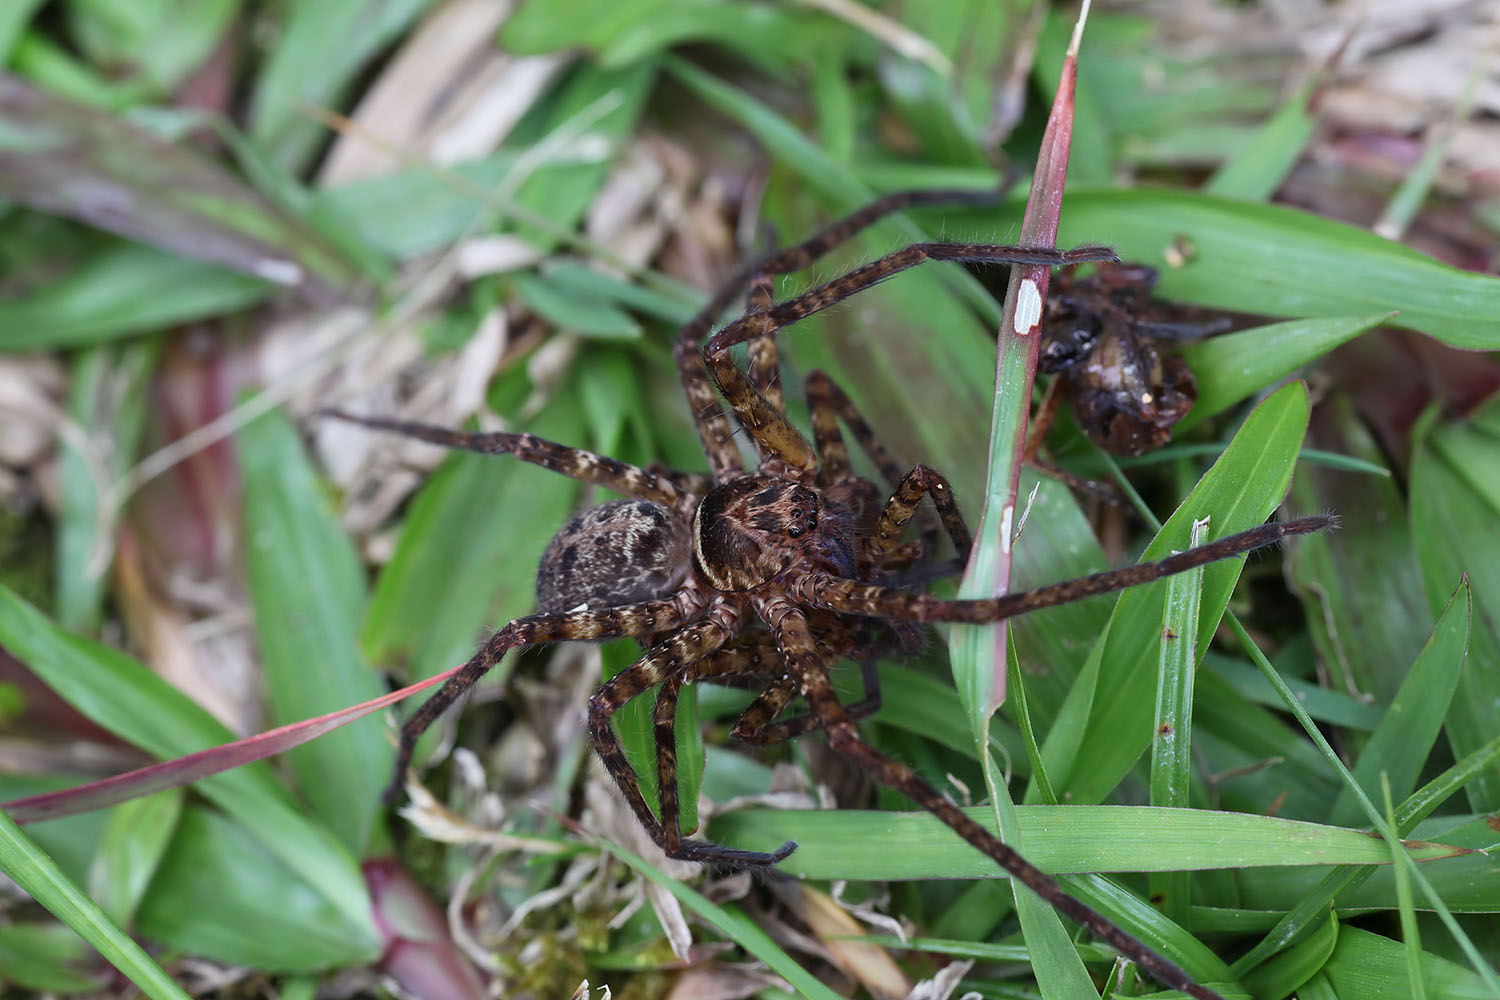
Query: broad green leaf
308,591
130,849
468,551
892,846
221,894
49,958
572,313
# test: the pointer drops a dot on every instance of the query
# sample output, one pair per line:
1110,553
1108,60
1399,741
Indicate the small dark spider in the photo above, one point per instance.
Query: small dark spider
1101,334
764,578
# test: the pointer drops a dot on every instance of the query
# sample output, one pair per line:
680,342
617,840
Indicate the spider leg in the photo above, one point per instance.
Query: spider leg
669,660
820,590
769,733
919,482
575,463
828,403
1040,424
774,437
797,649
605,623
765,366
714,430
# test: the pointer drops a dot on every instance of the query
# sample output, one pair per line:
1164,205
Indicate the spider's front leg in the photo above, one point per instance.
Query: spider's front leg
606,623
774,437
666,665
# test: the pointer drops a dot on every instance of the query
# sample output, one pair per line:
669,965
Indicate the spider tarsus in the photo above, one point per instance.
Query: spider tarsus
732,858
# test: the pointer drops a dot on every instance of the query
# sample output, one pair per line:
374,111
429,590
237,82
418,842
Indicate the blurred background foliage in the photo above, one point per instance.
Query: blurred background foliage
218,215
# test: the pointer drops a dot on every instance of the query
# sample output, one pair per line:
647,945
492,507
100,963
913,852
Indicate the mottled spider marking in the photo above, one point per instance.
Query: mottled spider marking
621,552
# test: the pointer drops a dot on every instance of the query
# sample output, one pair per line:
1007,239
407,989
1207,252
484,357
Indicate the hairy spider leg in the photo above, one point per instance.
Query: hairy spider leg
919,482
822,590
575,463
765,364
828,404
668,661
798,650
775,438
605,623
714,430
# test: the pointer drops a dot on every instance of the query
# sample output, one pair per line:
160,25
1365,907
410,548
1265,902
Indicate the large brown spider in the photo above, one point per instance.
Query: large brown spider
765,577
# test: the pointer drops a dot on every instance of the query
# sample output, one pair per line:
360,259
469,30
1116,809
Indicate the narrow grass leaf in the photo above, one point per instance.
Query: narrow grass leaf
1303,914
733,924
1404,739
38,876
319,49
1172,732
14,17
61,157
1410,936
1455,500
1237,365
120,290
307,589
1284,974
1241,489
1258,169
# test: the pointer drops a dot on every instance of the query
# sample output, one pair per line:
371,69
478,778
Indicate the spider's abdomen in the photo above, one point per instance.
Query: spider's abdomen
621,552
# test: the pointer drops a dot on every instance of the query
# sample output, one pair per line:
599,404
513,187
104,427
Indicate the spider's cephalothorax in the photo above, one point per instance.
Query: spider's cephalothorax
751,529
763,577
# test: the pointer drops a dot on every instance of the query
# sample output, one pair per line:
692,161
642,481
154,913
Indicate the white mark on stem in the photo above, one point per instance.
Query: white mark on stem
1028,307
1007,517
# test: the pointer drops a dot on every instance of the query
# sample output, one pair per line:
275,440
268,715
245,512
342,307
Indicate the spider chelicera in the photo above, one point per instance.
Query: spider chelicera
763,577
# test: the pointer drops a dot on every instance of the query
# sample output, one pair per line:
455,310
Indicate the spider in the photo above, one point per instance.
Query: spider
762,577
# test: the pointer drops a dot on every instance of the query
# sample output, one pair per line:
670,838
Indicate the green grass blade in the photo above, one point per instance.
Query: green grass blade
38,875
1410,936
1240,491
1172,731
135,704
121,290
1404,739
308,592
1257,171
1274,260
1455,501
1237,365
890,846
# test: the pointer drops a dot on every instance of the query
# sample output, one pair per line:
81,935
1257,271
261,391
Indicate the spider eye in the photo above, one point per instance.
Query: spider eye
794,532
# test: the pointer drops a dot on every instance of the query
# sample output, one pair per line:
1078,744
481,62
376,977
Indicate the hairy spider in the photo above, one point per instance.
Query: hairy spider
763,577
